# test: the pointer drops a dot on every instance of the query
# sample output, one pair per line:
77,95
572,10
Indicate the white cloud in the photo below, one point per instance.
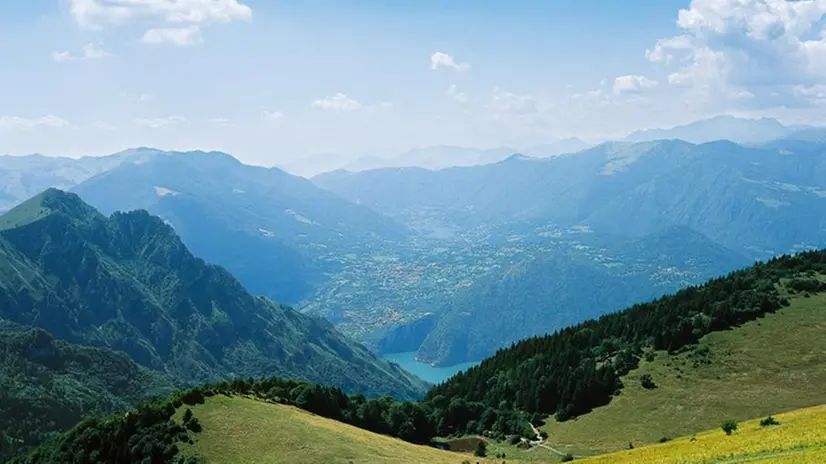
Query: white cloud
754,51
99,13
104,126
443,60
177,22
660,52
456,95
180,36
161,123
632,84
16,123
273,115
91,51
511,103
338,103
61,56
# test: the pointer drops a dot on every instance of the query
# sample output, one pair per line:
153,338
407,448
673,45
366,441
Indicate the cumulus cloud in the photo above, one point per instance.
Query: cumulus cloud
456,95
762,51
338,103
16,123
180,36
91,51
443,60
177,22
632,84
161,123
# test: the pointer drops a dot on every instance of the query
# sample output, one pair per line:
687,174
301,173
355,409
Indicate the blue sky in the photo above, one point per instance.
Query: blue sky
274,80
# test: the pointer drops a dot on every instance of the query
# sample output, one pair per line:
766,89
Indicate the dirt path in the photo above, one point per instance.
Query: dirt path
540,442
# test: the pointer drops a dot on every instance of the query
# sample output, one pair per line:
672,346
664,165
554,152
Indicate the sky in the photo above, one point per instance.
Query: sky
272,81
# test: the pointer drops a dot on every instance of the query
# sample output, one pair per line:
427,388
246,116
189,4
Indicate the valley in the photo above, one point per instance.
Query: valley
428,232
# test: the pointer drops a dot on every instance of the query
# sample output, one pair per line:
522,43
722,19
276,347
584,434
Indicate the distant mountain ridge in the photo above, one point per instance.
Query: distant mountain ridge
22,177
738,130
128,283
269,228
432,157
659,184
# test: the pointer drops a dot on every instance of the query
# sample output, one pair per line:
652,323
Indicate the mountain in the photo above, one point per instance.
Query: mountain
560,189
435,158
754,200
739,130
47,385
710,354
277,233
314,164
572,371
127,282
757,201
556,148
22,177
552,290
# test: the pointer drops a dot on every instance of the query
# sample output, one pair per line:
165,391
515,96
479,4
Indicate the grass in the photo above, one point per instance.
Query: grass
800,438
767,366
243,430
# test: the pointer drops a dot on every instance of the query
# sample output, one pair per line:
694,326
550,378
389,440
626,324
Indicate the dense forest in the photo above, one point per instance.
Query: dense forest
47,386
566,373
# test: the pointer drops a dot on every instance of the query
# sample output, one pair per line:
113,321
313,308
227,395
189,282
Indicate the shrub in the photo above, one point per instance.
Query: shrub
664,439
481,449
729,427
769,421
187,415
647,382
194,425
514,439
567,458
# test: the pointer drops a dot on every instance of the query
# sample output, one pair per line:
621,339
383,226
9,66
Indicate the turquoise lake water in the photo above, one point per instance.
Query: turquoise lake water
425,371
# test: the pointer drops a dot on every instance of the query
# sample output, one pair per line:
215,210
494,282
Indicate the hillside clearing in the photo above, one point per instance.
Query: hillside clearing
800,438
766,366
243,430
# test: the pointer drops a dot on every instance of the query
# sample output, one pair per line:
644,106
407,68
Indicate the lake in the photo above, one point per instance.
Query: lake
425,371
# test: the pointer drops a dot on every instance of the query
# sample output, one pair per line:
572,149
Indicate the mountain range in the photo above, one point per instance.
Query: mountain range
272,230
738,196
706,209
127,283
432,157
22,177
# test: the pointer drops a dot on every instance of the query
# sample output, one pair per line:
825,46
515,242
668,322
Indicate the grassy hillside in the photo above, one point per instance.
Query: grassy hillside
765,366
238,429
800,438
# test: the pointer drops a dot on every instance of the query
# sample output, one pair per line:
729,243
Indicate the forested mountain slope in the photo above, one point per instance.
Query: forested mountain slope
47,385
128,283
